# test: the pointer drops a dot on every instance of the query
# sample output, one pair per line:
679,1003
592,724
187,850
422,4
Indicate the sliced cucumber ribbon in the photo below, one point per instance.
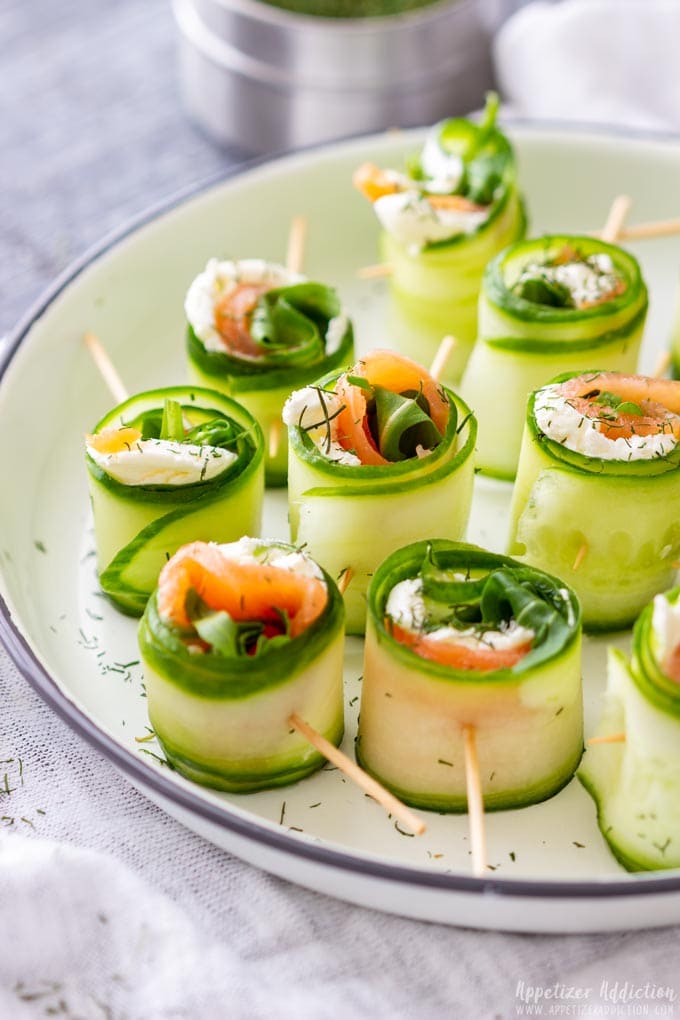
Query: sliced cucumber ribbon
138,526
635,781
494,598
522,343
301,334
611,409
527,717
647,666
435,281
290,330
352,515
507,310
233,677
221,712
607,526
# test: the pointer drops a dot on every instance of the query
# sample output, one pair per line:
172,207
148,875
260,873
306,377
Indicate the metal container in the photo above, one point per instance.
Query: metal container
268,80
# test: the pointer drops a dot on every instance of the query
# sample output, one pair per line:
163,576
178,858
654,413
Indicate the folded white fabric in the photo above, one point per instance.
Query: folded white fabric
603,61
85,937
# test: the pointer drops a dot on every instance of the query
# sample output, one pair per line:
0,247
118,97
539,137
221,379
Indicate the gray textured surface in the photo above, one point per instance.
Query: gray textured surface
92,132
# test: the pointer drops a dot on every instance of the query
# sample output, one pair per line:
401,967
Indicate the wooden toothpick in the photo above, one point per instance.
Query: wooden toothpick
274,438
365,782
473,781
344,580
297,237
376,271
607,738
618,212
106,367
580,556
475,801
648,231
444,352
662,365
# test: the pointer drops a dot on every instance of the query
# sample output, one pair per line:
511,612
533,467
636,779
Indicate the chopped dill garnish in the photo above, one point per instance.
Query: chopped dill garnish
402,832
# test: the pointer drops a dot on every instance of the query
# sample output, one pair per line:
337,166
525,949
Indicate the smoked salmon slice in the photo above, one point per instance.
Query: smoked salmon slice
246,591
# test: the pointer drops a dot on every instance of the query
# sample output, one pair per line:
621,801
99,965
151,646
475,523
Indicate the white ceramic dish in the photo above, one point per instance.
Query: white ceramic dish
552,871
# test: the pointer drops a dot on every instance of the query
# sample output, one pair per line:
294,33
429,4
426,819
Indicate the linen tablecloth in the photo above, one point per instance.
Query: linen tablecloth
110,908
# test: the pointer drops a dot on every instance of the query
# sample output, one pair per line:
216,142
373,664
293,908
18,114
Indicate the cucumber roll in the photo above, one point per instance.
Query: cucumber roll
675,338
379,456
235,639
555,304
458,637
635,782
454,208
597,496
257,331
165,467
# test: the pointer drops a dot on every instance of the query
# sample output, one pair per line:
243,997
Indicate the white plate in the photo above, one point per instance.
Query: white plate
553,871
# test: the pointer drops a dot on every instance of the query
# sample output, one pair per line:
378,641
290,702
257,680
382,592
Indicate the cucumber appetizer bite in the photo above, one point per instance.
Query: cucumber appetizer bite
379,456
459,637
451,211
597,496
165,467
634,778
555,304
234,640
256,331
675,338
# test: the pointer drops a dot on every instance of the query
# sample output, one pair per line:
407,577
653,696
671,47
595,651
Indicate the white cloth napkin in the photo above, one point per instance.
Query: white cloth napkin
84,938
605,61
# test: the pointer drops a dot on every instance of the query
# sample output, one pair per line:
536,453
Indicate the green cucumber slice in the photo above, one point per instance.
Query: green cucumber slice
502,313
138,527
636,784
263,388
347,516
522,345
435,291
626,515
133,572
528,719
223,721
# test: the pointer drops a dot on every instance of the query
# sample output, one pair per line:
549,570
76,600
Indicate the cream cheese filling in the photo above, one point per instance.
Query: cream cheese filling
560,421
305,408
163,462
406,608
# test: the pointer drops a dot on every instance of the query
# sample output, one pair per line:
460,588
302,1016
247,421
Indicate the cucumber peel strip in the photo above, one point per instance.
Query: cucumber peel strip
543,603
580,463
499,293
456,445
176,504
290,324
231,678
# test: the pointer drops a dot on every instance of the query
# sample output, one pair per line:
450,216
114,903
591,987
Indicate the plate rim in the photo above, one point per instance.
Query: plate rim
44,684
